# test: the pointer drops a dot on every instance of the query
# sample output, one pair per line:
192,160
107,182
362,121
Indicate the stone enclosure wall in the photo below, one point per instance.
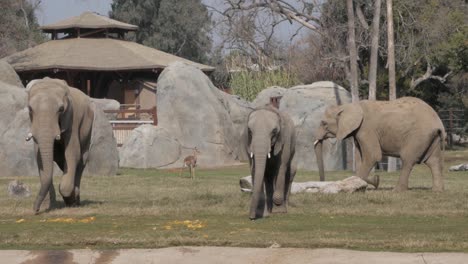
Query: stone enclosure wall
192,112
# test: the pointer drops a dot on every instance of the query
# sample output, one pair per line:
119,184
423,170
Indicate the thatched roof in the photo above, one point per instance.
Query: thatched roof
102,54
88,20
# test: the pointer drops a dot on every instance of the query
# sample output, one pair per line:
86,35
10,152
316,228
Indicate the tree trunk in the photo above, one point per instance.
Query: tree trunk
352,52
374,51
391,68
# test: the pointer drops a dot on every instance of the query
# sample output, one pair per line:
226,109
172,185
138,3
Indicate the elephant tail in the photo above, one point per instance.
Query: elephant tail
438,140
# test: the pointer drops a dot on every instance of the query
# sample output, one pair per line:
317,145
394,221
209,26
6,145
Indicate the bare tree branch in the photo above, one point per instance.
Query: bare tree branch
429,75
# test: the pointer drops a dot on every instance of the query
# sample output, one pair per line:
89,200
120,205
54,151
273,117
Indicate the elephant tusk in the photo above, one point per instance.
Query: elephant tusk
29,136
251,155
269,155
57,137
316,141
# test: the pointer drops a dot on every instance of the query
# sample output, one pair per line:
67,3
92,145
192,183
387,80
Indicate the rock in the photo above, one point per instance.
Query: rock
460,167
150,147
8,74
194,113
103,159
306,105
17,156
107,104
348,185
18,189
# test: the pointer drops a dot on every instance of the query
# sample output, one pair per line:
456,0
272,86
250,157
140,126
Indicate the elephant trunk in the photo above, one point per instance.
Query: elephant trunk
45,130
45,159
257,205
319,155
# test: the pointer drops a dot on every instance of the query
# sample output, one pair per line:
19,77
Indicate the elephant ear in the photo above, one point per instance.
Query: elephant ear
66,118
349,118
282,136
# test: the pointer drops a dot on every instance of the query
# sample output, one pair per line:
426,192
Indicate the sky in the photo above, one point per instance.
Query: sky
55,10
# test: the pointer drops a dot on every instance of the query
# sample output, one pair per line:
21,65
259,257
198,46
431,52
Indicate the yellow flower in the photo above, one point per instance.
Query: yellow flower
87,220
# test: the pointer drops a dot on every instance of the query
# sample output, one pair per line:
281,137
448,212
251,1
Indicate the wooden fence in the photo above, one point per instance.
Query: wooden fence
123,121
454,121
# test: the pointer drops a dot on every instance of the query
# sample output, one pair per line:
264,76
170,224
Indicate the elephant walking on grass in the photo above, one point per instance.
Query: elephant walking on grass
407,128
270,141
61,124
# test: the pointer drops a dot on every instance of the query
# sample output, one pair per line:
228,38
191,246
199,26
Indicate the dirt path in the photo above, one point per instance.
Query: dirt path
199,255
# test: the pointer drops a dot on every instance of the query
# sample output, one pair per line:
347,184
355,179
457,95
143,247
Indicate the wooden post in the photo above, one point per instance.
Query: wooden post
88,87
155,116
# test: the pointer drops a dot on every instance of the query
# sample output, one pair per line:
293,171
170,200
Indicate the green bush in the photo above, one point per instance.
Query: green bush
247,84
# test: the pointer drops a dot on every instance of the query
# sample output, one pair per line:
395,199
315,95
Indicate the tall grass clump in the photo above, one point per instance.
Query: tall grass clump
248,83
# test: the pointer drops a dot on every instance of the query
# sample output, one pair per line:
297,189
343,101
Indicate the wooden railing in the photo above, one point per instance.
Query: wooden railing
126,120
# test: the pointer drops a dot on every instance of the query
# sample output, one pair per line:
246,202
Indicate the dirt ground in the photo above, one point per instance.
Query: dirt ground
199,255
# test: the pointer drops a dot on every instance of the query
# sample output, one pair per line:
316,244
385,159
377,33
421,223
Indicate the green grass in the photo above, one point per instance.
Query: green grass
138,208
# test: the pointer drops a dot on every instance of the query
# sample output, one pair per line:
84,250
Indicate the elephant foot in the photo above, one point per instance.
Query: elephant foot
282,209
437,188
400,188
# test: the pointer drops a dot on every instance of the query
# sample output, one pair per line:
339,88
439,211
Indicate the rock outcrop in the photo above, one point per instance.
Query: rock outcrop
192,112
8,74
150,147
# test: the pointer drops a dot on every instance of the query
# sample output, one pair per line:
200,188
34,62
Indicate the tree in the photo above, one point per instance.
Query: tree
178,27
352,52
391,68
374,51
19,29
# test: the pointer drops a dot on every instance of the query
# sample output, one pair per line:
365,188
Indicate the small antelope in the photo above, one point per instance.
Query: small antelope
191,163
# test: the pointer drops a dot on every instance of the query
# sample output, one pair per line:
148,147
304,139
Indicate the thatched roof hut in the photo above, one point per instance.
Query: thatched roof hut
90,53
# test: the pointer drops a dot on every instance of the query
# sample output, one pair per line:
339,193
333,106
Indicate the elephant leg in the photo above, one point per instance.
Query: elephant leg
269,189
292,174
435,163
78,175
366,163
279,194
67,184
404,175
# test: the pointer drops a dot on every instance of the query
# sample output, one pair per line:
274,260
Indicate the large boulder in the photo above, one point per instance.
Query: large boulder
107,104
306,105
8,74
150,147
17,155
194,113
103,159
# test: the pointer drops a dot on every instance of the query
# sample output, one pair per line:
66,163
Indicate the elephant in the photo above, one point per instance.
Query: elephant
61,124
269,139
407,128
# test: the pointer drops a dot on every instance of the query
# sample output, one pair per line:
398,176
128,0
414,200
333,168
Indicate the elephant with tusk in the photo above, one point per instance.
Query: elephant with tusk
61,124
407,128
270,140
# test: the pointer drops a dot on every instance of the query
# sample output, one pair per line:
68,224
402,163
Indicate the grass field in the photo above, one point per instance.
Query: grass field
157,208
